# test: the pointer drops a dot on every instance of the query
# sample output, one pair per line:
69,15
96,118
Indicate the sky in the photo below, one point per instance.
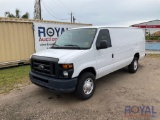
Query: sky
96,12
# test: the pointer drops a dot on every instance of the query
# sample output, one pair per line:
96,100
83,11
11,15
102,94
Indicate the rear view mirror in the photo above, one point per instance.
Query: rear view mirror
102,45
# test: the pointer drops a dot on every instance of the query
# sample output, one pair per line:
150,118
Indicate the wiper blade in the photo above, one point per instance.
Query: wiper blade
74,46
55,45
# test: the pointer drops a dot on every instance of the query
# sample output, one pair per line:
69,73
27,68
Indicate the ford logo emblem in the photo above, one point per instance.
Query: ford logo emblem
41,67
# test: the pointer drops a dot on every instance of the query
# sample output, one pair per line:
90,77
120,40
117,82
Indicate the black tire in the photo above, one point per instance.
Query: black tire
81,90
133,67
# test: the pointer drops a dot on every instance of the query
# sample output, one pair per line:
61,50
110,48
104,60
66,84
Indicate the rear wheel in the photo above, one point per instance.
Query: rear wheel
133,67
86,86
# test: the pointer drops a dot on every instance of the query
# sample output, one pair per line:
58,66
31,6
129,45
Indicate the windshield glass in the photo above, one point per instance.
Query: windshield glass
76,39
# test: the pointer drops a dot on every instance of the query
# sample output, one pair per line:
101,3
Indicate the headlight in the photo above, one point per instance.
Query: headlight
65,73
66,70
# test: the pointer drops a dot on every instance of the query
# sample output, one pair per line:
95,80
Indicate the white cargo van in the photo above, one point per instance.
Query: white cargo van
82,55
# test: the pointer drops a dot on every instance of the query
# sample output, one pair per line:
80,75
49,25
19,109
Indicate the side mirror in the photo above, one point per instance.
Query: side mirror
102,45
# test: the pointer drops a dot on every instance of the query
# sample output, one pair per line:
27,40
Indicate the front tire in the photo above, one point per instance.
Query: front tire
133,67
86,86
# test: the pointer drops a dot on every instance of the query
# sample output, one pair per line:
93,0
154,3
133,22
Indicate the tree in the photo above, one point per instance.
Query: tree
17,15
25,16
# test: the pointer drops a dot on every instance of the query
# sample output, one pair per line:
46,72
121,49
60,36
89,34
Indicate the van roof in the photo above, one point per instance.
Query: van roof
99,27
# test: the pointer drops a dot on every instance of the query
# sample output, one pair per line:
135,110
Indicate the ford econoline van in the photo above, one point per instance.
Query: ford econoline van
81,56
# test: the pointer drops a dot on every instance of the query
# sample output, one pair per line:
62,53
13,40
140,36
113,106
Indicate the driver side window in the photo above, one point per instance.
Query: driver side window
104,35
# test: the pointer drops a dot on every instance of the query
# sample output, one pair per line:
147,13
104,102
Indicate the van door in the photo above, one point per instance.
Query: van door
104,57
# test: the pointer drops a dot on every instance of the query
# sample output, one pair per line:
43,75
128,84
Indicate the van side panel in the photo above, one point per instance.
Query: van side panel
126,42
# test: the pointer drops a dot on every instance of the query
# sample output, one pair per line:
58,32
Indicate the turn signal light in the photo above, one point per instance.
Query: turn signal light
70,66
67,66
64,66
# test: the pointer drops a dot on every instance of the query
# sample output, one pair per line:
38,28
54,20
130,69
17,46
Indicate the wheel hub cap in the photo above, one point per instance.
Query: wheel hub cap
135,65
88,86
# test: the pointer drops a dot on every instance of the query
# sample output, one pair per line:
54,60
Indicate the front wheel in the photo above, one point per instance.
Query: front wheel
86,86
133,67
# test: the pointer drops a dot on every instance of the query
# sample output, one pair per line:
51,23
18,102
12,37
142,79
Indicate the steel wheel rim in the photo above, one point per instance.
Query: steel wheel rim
88,86
135,65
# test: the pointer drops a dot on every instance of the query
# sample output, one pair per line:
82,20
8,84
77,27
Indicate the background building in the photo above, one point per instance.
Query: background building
151,29
18,39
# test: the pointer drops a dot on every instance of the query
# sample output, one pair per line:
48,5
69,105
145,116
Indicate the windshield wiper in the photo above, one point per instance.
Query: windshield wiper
55,45
74,46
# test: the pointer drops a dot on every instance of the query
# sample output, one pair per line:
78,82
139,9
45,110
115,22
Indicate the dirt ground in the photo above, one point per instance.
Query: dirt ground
113,93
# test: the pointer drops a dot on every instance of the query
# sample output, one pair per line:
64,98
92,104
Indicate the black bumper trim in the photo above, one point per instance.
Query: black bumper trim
60,85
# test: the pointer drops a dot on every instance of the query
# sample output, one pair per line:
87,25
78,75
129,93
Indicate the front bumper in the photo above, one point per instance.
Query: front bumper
60,85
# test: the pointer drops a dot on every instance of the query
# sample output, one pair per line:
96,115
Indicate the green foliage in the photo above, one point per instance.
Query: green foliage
25,16
11,78
150,37
17,15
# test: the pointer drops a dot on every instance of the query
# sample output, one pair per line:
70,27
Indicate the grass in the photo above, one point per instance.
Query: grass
11,78
153,55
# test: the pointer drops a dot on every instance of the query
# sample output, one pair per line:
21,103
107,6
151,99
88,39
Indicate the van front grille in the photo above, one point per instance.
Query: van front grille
43,66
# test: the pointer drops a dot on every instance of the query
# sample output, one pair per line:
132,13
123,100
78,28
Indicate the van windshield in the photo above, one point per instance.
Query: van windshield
76,39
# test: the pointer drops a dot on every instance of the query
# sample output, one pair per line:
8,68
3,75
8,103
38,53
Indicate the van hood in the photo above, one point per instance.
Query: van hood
62,54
